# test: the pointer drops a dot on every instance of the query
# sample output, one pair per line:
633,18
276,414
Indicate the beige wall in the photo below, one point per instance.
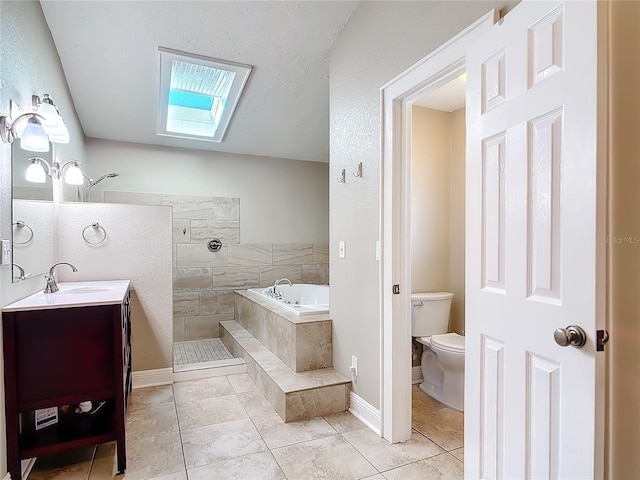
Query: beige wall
380,41
437,206
624,306
137,248
430,193
283,201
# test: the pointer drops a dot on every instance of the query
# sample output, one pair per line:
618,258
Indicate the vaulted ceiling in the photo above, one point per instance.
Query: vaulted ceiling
109,52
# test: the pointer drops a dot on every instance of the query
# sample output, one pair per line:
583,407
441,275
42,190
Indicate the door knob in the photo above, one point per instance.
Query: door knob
572,335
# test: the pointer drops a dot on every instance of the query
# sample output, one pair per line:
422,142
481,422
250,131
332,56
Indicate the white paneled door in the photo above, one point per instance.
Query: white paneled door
535,256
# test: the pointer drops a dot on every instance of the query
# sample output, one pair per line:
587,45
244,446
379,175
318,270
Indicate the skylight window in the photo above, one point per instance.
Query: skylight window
198,95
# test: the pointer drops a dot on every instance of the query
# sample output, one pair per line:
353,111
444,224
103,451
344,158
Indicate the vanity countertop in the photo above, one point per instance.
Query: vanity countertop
74,294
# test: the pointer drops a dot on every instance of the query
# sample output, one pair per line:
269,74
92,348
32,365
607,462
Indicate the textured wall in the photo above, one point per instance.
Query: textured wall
29,65
137,248
380,41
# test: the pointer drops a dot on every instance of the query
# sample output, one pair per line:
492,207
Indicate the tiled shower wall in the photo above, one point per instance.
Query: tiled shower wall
204,281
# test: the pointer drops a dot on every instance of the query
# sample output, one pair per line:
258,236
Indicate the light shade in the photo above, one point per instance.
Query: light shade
34,138
73,175
36,173
50,116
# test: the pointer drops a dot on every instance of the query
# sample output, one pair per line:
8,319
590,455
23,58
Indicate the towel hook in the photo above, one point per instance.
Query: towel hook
358,172
341,177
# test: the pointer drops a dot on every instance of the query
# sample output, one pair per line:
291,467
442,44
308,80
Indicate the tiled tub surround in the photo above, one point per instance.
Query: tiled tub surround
204,281
294,396
288,357
302,342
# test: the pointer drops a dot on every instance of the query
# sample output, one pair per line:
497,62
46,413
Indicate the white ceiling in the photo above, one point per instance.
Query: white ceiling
109,52
448,98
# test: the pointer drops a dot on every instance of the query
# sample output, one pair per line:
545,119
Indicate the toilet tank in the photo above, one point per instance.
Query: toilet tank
430,313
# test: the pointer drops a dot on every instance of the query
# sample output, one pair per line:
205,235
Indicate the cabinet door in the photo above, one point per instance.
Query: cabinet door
65,350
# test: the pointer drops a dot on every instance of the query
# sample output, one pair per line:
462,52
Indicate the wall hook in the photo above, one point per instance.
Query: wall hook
341,177
358,172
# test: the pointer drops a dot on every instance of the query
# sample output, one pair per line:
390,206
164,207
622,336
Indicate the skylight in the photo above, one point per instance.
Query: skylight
198,95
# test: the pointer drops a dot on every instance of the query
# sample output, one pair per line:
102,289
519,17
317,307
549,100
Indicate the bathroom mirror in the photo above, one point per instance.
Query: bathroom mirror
31,217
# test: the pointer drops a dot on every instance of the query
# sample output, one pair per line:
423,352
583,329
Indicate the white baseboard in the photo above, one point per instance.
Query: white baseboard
151,378
416,375
166,376
366,413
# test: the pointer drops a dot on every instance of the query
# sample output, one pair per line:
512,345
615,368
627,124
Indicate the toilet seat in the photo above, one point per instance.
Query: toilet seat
450,342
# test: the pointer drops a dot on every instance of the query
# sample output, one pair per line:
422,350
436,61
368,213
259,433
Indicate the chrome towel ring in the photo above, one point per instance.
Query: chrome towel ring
98,230
19,224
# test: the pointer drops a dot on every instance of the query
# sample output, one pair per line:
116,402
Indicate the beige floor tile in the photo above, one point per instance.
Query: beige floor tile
377,476
440,467
384,455
150,457
444,426
276,433
172,476
152,420
242,383
421,402
204,388
255,403
143,397
222,441
458,453
344,422
325,458
257,466
198,413
70,465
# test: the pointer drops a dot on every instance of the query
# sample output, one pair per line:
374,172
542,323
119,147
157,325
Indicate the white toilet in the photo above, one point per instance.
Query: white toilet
443,356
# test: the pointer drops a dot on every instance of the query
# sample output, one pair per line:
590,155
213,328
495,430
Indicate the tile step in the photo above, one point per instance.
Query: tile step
294,396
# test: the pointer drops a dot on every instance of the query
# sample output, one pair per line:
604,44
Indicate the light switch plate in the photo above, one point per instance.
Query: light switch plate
6,252
342,249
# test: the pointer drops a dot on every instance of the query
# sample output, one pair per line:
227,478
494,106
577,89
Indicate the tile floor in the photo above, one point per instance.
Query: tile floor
200,351
223,428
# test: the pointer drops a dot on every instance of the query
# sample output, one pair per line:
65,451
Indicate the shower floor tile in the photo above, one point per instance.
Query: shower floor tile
200,351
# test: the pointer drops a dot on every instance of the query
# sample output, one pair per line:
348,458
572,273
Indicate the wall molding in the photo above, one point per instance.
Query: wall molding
365,412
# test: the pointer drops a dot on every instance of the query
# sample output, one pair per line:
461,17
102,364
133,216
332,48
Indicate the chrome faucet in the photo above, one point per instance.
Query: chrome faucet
22,275
277,282
52,286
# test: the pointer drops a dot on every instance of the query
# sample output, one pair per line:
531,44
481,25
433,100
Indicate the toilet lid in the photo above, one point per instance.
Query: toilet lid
449,341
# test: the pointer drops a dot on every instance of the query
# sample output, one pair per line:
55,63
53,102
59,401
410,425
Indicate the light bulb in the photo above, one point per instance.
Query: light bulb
36,173
50,115
73,175
34,138
60,134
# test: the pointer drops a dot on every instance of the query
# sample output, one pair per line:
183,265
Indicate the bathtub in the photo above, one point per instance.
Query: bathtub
299,298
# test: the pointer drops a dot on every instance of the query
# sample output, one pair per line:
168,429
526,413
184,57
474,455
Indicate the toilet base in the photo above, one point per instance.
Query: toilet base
446,387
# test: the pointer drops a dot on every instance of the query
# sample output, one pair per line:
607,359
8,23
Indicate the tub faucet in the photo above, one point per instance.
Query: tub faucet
52,286
277,282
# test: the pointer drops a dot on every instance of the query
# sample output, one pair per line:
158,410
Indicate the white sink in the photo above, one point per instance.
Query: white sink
85,290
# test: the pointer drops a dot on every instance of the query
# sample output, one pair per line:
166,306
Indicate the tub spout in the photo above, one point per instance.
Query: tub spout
277,282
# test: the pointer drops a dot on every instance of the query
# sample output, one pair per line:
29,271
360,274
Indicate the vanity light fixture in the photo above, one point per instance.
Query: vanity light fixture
34,129
37,174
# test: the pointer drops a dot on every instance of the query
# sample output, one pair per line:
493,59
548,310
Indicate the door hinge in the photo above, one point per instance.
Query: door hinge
602,337
396,289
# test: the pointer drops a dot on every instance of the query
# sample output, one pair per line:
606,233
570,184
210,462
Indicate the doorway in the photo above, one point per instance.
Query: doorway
442,66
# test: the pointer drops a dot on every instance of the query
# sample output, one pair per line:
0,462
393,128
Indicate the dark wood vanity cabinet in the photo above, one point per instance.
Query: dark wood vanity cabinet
59,358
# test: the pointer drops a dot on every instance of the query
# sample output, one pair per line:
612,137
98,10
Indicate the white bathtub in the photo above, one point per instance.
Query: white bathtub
299,298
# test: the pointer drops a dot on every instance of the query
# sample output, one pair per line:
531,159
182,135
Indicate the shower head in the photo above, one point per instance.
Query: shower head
93,182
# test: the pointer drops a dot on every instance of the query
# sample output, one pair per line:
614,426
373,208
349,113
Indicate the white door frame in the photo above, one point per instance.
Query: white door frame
439,67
